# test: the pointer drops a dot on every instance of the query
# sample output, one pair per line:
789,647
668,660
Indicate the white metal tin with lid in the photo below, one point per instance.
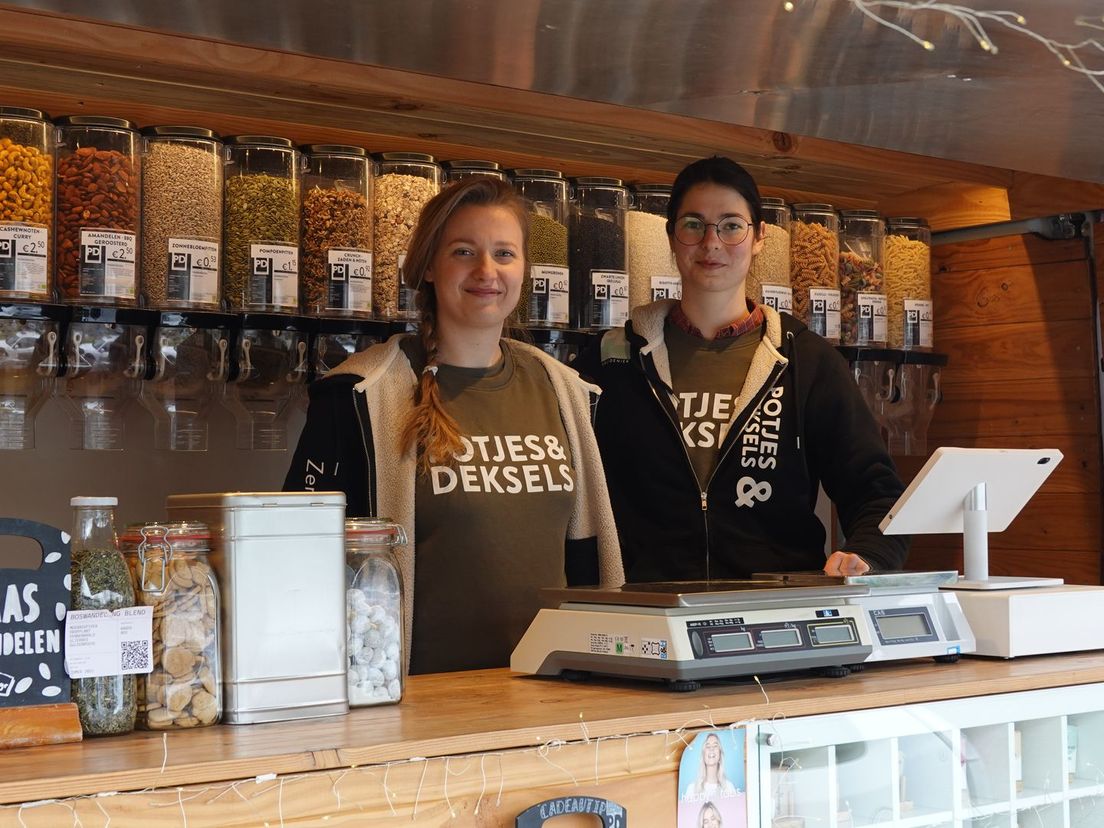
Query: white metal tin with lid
280,559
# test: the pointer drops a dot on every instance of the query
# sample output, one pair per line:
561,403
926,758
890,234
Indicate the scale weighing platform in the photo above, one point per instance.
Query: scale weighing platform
684,632
908,614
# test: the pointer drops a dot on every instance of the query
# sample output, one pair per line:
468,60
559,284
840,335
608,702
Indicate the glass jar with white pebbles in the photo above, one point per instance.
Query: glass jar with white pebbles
374,607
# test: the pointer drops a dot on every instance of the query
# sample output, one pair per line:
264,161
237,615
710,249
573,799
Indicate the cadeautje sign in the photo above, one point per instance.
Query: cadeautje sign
33,604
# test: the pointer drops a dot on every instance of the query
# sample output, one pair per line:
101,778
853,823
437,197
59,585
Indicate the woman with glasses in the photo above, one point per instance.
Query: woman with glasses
479,446
720,418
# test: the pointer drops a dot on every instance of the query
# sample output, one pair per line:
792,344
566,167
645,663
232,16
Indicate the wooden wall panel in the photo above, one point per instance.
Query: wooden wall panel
1015,316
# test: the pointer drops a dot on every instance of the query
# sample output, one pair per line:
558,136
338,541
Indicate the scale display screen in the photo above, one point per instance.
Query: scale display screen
903,626
833,633
731,642
781,638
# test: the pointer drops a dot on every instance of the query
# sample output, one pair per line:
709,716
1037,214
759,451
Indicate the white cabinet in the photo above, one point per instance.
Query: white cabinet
1018,760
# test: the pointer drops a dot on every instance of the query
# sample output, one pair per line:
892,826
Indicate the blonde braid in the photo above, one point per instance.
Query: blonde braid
430,427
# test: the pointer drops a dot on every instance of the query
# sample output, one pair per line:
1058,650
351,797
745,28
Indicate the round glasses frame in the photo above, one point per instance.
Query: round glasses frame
690,230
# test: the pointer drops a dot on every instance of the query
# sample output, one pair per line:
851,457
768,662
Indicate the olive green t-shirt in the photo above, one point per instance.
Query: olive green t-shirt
490,527
707,375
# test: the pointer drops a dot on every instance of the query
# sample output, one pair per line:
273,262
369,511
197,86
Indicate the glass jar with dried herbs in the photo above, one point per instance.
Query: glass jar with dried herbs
100,581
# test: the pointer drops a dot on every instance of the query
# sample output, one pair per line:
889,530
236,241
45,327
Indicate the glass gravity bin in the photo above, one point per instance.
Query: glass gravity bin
335,340
191,362
268,372
30,350
875,371
105,360
919,392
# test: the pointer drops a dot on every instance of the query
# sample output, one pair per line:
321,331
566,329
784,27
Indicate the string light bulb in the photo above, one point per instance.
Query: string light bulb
1069,55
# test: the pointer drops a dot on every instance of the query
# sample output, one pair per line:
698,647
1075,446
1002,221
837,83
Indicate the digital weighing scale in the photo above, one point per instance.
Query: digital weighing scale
684,632
908,614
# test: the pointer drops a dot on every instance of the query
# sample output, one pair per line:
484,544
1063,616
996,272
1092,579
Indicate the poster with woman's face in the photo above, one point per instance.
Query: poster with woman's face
713,782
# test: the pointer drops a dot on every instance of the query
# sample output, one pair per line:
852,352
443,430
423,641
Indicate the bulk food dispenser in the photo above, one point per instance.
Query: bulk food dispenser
268,371
191,361
875,372
30,348
105,359
918,393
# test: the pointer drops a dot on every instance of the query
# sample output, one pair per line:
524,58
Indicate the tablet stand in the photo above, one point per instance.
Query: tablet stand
975,550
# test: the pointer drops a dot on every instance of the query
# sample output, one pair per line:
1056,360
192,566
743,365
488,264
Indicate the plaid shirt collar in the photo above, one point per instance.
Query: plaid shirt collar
753,320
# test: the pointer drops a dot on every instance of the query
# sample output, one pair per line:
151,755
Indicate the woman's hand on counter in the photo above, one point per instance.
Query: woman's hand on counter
845,563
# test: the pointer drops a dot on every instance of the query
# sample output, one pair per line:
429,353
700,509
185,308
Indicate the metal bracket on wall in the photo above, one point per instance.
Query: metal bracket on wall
1052,228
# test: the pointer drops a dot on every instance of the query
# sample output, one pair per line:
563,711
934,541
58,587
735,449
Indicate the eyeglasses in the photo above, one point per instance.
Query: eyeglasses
691,229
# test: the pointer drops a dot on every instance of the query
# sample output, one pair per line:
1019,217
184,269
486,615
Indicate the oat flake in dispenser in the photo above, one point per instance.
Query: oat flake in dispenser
374,607
172,574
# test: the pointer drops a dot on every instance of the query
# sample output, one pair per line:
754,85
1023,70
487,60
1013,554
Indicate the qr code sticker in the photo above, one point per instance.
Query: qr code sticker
136,656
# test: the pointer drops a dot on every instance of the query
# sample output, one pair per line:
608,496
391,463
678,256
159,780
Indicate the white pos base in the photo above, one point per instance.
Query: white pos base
1022,622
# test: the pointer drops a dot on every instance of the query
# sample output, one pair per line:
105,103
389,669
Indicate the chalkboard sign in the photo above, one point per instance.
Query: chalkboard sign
33,604
610,813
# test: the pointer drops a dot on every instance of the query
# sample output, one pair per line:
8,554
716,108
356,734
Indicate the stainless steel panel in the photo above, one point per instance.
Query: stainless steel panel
702,594
824,70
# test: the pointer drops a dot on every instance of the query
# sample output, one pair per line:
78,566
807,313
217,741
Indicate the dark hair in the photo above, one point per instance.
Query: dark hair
715,170
430,427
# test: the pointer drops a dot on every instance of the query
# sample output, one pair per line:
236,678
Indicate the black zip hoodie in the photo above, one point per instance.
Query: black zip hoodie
799,422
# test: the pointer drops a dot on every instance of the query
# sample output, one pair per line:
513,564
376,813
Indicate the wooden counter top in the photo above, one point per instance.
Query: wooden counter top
493,710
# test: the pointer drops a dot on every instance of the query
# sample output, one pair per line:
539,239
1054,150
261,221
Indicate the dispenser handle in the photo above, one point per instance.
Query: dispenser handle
889,392
222,370
935,396
51,362
138,367
298,374
245,362
161,361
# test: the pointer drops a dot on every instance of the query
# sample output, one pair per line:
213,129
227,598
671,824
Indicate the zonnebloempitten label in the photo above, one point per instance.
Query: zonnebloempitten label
193,274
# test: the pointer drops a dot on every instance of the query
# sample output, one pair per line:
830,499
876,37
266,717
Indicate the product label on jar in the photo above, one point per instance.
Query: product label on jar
274,270
824,312
407,302
107,263
350,279
609,298
918,324
105,643
666,287
871,309
548,304
23,257
778,297
193,271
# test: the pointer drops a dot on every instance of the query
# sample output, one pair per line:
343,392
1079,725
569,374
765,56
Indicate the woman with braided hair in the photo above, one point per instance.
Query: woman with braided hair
479,446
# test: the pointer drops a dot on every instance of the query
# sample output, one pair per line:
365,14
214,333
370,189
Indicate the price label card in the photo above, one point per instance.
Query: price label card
666,287
193,270
919,321
549,303
107,263
610,298
871,308
274,269
779,297
23,257
105,643
350,279
824,312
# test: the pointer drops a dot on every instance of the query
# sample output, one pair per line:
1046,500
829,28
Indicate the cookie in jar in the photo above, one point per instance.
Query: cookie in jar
171,572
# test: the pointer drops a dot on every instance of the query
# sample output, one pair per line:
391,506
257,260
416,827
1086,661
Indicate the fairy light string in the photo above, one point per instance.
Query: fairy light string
1077,57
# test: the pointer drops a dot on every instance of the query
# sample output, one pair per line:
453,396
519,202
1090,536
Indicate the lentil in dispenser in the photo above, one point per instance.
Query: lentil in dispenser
814,268
545,293
26,203
652,271
862,278
337,231
181,217
908,284
600,283
406,181
768,280
261,224
98,219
